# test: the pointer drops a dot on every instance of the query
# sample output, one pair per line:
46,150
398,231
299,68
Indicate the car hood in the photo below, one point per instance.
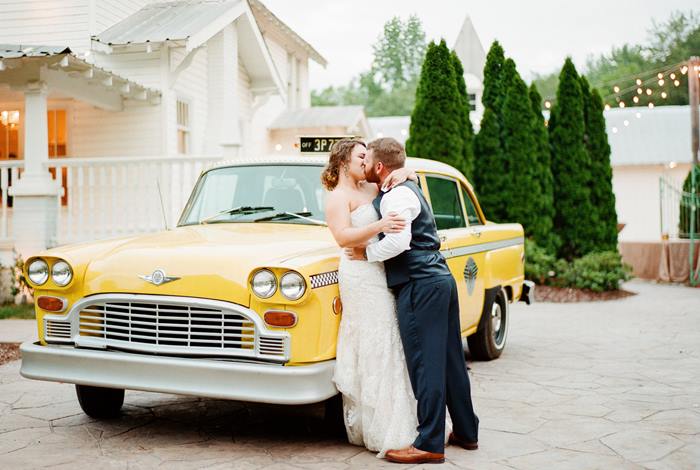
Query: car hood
211,261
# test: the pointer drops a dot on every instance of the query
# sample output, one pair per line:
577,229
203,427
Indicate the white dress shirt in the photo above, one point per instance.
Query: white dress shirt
404,202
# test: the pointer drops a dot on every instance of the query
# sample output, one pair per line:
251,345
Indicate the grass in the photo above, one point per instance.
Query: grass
25,311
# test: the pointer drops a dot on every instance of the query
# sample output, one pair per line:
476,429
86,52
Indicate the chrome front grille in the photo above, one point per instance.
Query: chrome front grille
176,326
57,329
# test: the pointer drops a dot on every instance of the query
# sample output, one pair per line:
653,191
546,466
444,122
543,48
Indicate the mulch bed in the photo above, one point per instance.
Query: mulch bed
9,352
568,294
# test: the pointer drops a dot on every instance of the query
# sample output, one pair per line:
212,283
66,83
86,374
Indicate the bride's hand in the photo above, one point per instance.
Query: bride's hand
399,176
392,223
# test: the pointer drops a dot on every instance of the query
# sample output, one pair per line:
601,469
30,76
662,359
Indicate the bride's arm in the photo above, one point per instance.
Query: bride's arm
398,176
338,220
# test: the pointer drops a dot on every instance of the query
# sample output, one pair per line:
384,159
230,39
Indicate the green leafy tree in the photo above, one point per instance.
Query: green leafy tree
520,152
490,166
574,213
602,195
465,124
435,122
493,86
388,88
547,239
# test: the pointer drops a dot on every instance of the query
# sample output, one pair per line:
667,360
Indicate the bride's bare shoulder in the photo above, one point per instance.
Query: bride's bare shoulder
370,188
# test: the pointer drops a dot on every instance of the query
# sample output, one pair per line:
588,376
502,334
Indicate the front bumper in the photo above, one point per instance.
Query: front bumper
263,383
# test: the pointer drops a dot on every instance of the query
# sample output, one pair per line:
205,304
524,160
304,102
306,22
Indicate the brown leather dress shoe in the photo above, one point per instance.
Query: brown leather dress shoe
414,456
469,445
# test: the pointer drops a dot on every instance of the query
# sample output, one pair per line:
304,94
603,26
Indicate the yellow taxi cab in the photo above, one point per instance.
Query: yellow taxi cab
240,300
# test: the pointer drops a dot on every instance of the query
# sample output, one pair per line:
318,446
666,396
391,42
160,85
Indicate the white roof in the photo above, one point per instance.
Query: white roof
470,50
652,136
167,21
319,116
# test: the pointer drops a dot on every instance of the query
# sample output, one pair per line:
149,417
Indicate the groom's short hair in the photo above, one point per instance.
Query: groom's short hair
388,151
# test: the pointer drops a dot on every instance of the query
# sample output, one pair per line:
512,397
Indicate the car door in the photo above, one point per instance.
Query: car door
453,208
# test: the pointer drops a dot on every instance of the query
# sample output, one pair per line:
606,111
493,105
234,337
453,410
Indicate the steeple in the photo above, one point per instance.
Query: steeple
470,50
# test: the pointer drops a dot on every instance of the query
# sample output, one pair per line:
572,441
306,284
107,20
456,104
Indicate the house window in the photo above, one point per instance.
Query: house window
183,127
472,101
58,136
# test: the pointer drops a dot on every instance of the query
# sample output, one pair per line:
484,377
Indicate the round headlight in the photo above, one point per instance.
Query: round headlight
264,283
292,285
61,273
38,272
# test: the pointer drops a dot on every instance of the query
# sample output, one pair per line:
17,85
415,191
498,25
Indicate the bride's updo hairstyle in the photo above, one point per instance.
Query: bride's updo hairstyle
339,157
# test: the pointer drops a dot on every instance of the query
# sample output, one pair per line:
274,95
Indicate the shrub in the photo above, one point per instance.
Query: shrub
539,263
598,271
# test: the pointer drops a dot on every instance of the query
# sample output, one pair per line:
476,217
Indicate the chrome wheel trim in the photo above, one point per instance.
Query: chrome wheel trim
499,322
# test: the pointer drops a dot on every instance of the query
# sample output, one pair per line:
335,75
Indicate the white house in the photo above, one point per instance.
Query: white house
124,101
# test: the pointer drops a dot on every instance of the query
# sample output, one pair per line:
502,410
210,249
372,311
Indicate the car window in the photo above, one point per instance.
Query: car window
472,214
291,188
447,207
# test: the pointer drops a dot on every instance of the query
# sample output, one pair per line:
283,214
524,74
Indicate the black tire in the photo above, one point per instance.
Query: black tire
100,402
333,416
489,341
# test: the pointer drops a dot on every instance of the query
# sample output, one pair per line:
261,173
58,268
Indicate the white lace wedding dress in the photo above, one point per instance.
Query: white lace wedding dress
379,406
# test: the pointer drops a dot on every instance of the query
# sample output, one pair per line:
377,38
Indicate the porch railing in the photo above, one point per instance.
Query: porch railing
105,197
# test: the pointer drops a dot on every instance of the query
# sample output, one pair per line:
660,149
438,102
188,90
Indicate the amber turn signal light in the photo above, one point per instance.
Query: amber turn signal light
51,304
337,306
280,319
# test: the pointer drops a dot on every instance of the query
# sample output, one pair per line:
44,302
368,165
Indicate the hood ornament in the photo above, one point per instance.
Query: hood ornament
158,277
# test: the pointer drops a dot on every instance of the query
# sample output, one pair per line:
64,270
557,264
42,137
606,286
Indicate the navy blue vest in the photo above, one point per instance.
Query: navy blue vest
424,258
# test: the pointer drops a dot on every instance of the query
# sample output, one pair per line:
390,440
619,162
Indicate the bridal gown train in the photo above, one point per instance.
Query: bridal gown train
379,406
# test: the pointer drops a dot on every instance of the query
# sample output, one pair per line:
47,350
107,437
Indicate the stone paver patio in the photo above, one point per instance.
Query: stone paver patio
609,385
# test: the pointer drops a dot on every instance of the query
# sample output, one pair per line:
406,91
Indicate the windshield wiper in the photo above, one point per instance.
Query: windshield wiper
291,215
238,210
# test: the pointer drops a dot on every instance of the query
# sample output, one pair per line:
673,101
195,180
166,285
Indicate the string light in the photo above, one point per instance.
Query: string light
635,99
622,104
616,89
677,83
664,94
651,105
661,82
639,81
649,92
638,115
673,76
614,129
607,107
547,104
684,69
639,91
626,123
660,75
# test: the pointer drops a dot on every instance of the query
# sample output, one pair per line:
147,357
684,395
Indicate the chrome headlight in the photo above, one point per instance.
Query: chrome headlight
292,285
38,272
264,283
61,273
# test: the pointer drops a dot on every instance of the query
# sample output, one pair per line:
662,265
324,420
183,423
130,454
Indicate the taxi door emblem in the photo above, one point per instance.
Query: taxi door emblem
158,277
470,272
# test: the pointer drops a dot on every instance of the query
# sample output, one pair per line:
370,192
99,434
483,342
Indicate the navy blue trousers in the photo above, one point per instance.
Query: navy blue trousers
428,314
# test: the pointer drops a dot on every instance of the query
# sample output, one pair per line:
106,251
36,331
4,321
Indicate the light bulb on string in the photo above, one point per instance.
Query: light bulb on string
651,105
635,99
684,69
672,76
616,89
661,82
660,75
614,129
649,92
676,82
607,107
664,94
622,104
639,91
626,122
547,104
638,115
639,81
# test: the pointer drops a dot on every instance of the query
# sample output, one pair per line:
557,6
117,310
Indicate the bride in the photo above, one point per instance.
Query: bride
379,407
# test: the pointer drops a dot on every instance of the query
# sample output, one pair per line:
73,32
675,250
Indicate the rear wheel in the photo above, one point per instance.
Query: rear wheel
100,402
490,339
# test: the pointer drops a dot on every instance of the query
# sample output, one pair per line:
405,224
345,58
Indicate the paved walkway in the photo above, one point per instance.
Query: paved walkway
610,385
17,331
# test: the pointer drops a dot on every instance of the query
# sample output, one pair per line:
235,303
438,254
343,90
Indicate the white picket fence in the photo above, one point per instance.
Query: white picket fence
106,197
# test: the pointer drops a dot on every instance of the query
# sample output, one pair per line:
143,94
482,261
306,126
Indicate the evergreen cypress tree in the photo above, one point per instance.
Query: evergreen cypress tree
435,122
520,150
602,196
493,89
467,131
544,172
490,168
574,214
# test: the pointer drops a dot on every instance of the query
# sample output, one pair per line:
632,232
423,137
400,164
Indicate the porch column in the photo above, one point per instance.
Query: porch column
35,194
223,129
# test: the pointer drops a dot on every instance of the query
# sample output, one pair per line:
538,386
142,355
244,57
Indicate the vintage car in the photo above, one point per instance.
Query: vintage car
240,300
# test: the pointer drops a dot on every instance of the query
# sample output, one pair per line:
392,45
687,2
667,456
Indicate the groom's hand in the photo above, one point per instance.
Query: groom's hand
356,254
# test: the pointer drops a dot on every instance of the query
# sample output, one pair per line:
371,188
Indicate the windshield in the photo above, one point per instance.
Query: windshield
272,188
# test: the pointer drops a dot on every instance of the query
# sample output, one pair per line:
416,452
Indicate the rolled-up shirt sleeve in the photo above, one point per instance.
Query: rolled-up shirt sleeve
404,202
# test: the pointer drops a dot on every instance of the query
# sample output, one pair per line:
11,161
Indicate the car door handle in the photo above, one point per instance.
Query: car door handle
476,233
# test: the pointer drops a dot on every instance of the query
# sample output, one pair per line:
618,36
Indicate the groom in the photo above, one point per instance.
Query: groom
428,312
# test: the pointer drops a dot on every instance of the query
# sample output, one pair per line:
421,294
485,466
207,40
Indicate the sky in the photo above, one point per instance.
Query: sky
537,34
